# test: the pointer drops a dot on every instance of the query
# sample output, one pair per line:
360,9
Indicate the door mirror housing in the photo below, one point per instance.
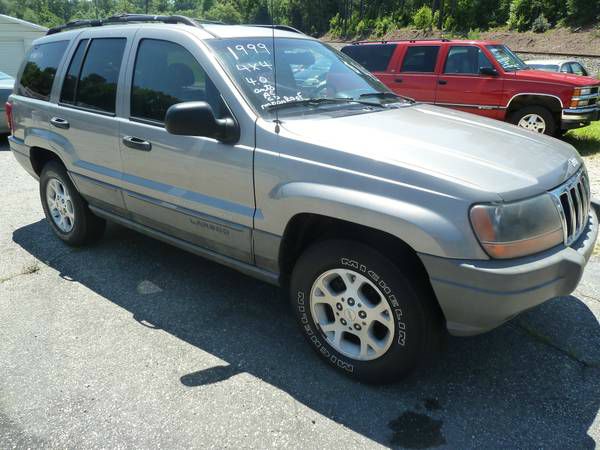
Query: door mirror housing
489,71
198,119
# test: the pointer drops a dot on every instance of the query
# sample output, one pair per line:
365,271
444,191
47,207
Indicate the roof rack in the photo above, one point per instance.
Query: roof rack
392,41
126,18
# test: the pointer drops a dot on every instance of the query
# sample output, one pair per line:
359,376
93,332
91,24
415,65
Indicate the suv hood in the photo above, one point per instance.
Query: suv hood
556,77
441,145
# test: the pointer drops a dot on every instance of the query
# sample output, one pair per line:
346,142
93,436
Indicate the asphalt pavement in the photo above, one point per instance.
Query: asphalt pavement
131,343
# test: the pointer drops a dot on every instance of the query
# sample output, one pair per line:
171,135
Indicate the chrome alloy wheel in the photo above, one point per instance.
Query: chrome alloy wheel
533,122
60,205
352,313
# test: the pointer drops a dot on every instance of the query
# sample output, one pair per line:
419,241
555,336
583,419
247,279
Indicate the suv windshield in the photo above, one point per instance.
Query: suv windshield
506,58
309,76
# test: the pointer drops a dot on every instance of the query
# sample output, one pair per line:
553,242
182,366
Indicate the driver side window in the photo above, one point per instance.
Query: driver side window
165,73
466,60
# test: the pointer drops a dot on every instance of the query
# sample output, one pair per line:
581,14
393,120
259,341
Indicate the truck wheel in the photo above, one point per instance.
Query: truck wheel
362,313
65,209
534,118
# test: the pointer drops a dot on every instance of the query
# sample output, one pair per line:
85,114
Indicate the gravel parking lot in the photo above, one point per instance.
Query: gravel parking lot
135,344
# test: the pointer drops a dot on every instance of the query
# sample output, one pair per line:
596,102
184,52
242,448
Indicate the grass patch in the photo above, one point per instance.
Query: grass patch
585,140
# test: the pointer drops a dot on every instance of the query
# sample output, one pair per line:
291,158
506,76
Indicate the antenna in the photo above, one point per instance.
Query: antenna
274,66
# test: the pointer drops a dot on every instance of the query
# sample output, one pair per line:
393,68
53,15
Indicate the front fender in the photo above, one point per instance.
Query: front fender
425,225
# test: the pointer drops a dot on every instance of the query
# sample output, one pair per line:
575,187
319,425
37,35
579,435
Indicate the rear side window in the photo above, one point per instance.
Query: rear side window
373,57
420,59
93,83
67,94
40,69
165,73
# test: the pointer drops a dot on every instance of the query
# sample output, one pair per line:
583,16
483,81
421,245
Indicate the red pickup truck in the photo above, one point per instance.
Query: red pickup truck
484,78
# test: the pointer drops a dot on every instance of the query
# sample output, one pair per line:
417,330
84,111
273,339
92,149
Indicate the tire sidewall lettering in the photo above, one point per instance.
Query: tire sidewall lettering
386,290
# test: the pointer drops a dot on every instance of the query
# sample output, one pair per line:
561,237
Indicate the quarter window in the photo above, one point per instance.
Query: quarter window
420,59
70,84
373,57
165,73
40,69
466,60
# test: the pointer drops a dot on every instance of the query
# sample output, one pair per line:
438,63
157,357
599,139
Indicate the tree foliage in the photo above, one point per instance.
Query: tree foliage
342,18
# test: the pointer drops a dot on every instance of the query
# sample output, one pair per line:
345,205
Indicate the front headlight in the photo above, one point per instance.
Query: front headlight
510,230
578,92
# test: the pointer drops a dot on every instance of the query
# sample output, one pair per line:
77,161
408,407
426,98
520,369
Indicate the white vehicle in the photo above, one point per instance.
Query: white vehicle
558,65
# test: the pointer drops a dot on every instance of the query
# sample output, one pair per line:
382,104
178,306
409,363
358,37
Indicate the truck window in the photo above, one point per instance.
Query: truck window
466,60
420,59
40,68
67,94
165,73
94,85
373,57
578,69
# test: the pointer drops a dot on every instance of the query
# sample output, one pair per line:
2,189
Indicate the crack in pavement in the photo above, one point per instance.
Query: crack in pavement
531,332
27,270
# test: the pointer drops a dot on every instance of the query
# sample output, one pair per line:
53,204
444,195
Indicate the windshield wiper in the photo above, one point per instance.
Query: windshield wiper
319,101
385,95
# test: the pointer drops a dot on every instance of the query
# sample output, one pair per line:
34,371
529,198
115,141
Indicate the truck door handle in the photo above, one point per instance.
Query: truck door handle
59,122
398,80
442,82
137,143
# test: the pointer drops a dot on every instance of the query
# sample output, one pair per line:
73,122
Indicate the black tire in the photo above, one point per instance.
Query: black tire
418,329
86,227
545,114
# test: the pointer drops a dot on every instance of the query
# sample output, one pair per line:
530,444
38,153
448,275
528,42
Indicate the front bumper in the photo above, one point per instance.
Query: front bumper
575,118
479,295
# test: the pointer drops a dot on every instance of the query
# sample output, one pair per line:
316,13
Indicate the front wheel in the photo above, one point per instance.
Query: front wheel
535,118
361,312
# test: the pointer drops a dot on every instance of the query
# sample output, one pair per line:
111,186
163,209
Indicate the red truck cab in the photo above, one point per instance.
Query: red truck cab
482,77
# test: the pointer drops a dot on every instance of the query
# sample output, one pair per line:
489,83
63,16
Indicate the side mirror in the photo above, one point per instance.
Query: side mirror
198,119
489,71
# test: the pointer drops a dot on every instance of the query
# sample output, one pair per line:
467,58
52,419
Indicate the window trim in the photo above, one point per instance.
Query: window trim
437,56
85,108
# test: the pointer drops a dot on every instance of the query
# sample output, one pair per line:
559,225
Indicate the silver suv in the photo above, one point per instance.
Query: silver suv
388,221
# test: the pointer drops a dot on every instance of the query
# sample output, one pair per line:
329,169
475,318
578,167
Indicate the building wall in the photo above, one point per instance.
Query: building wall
15,38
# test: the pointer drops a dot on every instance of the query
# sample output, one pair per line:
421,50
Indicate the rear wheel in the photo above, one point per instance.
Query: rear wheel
535,118
65,209
361,312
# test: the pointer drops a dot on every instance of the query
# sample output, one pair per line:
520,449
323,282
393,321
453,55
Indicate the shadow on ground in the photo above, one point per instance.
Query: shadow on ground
4,143
509,388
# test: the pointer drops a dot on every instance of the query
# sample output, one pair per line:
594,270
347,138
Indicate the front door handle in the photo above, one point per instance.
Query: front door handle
442,82
137,143
398,80
59,122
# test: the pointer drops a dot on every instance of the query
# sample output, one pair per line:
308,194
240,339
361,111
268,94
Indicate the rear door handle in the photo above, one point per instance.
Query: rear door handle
137,143
59,122
398,80
442,82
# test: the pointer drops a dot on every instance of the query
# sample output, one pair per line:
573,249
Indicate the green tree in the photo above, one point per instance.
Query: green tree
423,18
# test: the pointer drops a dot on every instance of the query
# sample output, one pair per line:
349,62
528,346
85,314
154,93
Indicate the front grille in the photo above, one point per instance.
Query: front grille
573,202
